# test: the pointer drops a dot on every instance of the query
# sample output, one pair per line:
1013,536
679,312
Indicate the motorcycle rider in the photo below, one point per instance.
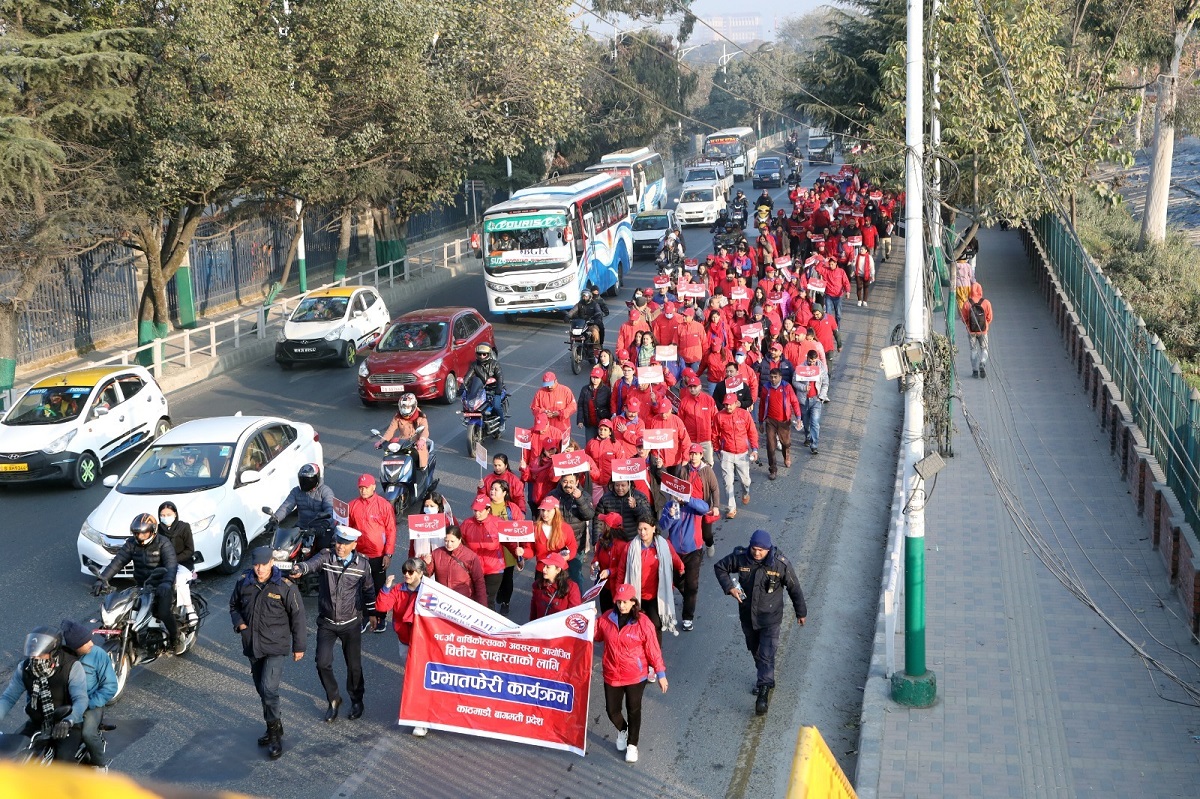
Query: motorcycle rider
486,366
148,551
591,308
180,535
408,420
740,205
721,222
101,686
311,499
53,680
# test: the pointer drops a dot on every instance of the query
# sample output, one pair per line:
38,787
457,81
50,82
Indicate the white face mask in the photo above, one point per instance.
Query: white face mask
167,519
431,508
740,358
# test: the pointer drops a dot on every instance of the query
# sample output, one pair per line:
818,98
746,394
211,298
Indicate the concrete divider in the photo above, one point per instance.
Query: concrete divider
1187,581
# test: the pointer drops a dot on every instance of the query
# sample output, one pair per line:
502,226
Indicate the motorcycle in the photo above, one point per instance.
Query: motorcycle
668,263
762,216
479,413
133,636
738,217
39,748
290,545
402,482
582,339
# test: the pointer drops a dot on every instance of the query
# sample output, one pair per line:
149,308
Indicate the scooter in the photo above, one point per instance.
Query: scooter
477,410
402,482
133,636
290,545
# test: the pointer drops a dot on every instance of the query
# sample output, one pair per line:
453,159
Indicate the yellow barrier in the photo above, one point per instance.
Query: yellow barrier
815,773
33,781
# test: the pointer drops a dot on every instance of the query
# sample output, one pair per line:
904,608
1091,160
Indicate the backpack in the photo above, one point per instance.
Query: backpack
976,319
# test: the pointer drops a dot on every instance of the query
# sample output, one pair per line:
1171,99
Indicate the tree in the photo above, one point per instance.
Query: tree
60,80
749,88
804,34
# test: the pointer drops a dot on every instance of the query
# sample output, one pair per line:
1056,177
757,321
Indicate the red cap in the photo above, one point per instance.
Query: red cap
598,371
641,442
614,519
548,503
548,377
366,480
626,363
605,423
695,448
480,503
692,380
669,307
632,405
633,315
555,559
623,593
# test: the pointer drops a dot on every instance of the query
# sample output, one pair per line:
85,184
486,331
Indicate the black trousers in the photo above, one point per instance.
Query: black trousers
650,608
631,697
379,575
762,643
492,583
351,637
267,672
504,595
690,588
165,613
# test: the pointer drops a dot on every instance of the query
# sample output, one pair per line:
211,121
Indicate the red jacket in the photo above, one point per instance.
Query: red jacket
516,488
541,544
608,558
665,330
778,404
625,336
459,571
376,520
546,601
836,283
698,413
629,652
484,541
402,602
678,453
733,431
558,400
690,339
649,589
825,327
603,451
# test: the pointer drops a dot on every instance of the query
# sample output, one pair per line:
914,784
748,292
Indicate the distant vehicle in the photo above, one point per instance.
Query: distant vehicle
649,230
820,147
332,324
736,146
66,427
645,191
219,472
768,172
700,205
710,172
424,352
552,240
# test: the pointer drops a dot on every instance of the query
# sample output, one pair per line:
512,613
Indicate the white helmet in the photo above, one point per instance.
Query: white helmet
407,404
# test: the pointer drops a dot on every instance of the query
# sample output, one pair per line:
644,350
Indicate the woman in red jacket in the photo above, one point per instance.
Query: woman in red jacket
610,550
401,602
648,557
458,568
552,534
503,506
631,651
554,590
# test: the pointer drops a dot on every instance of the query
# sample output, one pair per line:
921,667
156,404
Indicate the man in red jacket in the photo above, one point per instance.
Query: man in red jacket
698,412
778,409
554,400
373,516
665,419
736,439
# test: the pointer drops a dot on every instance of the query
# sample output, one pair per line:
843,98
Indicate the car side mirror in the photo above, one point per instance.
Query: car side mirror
357,315
460,342
249,476
99,410
111,480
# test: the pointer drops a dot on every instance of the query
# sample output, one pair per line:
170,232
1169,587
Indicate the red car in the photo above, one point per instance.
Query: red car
426,352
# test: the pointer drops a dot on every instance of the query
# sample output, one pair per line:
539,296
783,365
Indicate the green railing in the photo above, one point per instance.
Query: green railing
1152,386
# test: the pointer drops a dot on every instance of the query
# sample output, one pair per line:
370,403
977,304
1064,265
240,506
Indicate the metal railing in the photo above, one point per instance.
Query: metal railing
232,332
1152,386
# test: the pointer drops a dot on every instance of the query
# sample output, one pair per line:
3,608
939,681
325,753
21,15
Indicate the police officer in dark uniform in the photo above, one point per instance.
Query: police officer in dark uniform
267,612
757,577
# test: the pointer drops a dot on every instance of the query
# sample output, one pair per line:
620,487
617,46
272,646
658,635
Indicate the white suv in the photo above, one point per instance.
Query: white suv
332,324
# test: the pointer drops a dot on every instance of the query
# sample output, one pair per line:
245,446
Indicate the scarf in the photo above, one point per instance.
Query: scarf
633,576
40,699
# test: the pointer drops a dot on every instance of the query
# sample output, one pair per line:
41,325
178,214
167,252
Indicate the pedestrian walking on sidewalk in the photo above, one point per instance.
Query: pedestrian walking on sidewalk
631,651
977,316
758,576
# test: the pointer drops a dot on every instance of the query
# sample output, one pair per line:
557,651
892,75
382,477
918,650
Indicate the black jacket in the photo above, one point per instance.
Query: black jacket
764,582
593,311
485,370
593,405
307,504
576,512
272,612
346,591
180,535
611,503
158,553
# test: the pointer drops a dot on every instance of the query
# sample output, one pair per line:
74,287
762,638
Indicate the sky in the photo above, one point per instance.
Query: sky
769,10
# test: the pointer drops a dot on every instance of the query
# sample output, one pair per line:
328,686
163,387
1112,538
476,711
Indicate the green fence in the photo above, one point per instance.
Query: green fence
1152,386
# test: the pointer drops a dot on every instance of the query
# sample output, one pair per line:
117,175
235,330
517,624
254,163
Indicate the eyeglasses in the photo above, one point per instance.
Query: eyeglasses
410,571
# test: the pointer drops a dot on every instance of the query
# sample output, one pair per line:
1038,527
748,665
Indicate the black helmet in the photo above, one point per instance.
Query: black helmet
483,352
143,524
309,476
42,641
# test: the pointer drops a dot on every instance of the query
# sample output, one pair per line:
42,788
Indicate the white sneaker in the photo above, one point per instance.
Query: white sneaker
710,550
622,739
688,626
420,732
631,754
860,303
865,305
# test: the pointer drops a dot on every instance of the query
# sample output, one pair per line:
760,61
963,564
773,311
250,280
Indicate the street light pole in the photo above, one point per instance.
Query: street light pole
916,686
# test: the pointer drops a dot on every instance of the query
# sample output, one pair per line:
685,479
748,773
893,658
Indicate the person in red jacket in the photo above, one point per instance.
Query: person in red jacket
401,602
629,425
698,412
648,556
977,316
610,550
826,329
631,651
551,533
373,516
553,590
458,567
778,410
665,419
502,472
637,322
736,439
603,449
623,389
837,285
690,337
480,535
555,400
539,473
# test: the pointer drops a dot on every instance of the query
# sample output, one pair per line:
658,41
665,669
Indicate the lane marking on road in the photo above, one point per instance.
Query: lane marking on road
365,768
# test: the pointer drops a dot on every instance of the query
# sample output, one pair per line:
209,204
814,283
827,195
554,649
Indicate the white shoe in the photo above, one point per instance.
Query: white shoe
865,305
688,626
631,754
420,732
622,739
860,303
710,550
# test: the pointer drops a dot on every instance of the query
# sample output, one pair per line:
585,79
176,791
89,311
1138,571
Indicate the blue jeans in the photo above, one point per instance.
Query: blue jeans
91,735
267,671
811,410
833,305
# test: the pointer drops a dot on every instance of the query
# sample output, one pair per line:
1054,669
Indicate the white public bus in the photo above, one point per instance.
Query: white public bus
645,188
553,239
736,146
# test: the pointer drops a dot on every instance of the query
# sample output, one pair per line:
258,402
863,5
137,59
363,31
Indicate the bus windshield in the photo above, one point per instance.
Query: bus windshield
724,147
516,243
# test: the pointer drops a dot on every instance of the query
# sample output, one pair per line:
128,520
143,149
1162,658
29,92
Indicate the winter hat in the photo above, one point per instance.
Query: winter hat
761,539
74,634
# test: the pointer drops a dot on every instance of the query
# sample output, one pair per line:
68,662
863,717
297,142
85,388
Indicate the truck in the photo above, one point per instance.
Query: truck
820,146
705,172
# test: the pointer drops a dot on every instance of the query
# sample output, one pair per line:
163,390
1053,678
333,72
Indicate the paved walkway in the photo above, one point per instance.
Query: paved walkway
1037,696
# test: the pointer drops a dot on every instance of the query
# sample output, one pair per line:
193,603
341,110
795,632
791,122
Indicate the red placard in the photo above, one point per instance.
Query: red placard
522,438
754,330
739,293
696,290
816,284
783,262
569,463
426,525
661,281
648,375
629,469
674,486
515,531
594,591
776,297
341,512
659,438
471,671
804,372
691,263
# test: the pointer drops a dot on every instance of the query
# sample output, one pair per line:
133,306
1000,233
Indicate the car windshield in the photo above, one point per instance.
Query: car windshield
178,469
650,222
697,196
49,405
320,309
700,174
413,337
768,163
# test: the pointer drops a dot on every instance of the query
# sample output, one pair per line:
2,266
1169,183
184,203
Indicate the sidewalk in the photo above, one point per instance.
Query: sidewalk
1037,696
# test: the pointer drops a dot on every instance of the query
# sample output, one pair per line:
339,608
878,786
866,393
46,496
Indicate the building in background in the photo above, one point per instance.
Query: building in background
739,28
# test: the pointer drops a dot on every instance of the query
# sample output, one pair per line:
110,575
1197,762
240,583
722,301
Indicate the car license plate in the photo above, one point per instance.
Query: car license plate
14,467
391,389
472,415
528,298
304,349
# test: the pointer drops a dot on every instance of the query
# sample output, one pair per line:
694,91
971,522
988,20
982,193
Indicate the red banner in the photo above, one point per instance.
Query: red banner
753,330
805,372
674,486
739,293
659,438
426,525
661,281
473,671
513,532
696,290
569,463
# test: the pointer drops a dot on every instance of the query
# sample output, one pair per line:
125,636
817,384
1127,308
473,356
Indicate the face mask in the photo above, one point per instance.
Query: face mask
166,519
669,315
431,508
42,667
740,358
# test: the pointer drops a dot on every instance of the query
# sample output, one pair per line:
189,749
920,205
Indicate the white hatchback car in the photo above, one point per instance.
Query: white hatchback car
332,324
699,204
219,472
66,427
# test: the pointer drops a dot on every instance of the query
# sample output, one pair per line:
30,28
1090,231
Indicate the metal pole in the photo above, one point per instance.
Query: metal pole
916,686
300,265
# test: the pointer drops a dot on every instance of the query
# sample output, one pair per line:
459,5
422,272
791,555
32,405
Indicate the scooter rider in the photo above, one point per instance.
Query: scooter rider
311,499
52,679
591,308
486,366
408,420
148,550
723,221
